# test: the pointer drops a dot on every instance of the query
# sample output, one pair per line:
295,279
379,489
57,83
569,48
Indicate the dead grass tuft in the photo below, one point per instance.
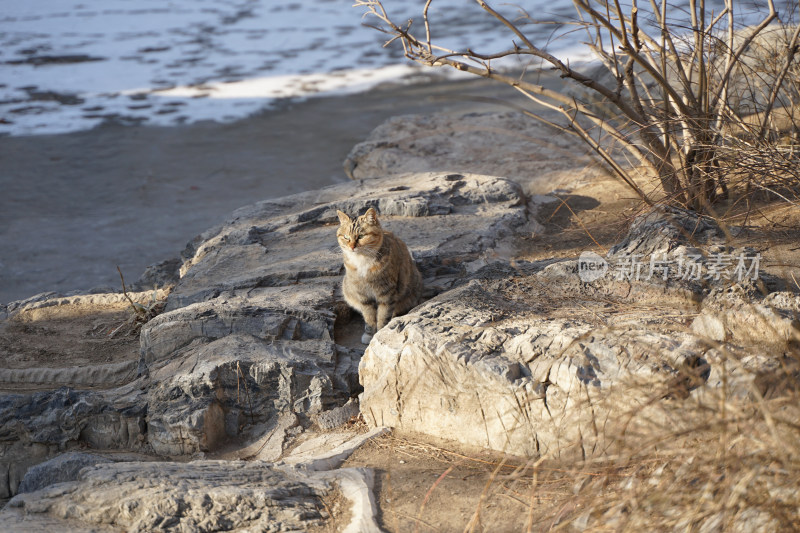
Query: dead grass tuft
141,313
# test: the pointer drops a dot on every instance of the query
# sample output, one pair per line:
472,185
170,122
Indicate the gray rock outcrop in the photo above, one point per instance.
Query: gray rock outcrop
65,467
35,427
253,329
510,144
534,361
256,342
164,496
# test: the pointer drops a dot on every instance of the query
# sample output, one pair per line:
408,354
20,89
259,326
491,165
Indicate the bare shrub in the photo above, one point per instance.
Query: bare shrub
691,96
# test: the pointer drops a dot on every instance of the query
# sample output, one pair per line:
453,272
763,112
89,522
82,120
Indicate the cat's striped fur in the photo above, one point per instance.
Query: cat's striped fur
381,280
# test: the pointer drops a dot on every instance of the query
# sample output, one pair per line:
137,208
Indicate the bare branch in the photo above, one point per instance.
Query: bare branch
791,51
427,25
742,48
507,22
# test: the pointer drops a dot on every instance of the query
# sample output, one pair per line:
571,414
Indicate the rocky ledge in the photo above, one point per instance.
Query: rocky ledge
541,159
538,360
254,354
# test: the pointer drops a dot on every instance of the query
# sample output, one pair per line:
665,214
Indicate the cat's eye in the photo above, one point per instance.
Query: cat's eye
345,237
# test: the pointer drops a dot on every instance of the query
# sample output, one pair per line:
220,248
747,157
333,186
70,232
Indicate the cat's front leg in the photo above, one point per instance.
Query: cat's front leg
369,312
385,314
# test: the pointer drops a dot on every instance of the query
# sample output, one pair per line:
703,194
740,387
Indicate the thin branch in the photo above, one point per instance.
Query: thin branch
791,51
427,25
773,14
510,25
606,157
638,57
671,52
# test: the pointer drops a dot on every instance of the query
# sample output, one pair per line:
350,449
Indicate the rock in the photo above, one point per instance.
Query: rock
737,314
196,403
33,300
338,416
328,451
64,467
65,415
273,441
444,218
269,313
507,144
517,367
49,304
196,496
252,328
35,427
82,492
18,456
664,230
162,274
356,485
542,362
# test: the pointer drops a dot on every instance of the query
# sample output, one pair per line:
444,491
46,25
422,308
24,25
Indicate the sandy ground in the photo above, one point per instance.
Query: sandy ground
75,206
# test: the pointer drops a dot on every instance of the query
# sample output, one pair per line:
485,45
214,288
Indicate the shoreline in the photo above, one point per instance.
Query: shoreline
77,205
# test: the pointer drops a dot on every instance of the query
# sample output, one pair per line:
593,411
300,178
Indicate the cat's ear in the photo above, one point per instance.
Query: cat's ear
343,219
371,216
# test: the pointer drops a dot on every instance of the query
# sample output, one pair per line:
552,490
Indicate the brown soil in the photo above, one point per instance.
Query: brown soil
592,217
337,507
72,339
65,345
434,486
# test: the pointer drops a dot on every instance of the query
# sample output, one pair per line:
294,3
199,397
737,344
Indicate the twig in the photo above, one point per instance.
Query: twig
125,291
428,494
246,391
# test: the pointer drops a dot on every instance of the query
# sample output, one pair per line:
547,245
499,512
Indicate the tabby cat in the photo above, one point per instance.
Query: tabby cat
381,279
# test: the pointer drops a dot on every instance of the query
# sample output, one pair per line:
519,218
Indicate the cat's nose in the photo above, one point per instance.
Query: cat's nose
352,245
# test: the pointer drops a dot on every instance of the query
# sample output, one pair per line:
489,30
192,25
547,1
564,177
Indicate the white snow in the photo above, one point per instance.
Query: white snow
68,65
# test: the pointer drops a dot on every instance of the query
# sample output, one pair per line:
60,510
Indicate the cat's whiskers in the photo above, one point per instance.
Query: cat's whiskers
371,252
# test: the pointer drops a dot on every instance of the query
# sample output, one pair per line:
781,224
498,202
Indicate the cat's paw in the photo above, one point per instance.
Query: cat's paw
369,331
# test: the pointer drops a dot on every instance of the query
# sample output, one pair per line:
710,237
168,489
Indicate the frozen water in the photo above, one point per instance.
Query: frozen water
68,65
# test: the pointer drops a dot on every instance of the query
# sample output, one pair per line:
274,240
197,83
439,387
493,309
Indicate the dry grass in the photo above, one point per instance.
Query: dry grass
716,461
